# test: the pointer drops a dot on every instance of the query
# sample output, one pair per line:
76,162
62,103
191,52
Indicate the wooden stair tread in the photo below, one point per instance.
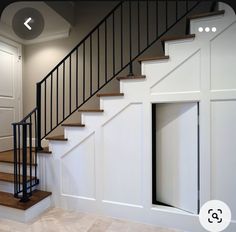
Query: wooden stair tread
177,37
131,77
153,58
207,14
73,125
8,200
91,110
57,138
9,177
8,157
109,94
45,150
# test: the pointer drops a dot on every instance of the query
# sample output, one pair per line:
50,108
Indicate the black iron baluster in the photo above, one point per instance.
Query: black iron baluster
57,93
166,14
147,9
98,41
63,91
84,71
106,51
19,158
30,153
45,108
130,41
36,149
176,10
138,26
77,79
38,103
113,42
15,158
70,84
121,36
24,163
157,14
91,65
51,102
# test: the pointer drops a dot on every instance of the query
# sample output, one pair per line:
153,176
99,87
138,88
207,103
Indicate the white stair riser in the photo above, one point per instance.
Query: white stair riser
9,168
132,87
92,119
109,105
8,187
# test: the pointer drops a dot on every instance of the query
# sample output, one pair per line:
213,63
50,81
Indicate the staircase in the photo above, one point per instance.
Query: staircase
69,86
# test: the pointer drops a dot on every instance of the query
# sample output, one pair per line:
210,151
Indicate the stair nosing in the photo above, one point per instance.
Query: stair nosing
56,138
91,111
73,125
153,58
208,14
110,94
45,150
180,37
131,77
16,204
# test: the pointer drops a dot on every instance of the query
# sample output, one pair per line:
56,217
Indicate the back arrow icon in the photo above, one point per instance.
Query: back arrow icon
27,25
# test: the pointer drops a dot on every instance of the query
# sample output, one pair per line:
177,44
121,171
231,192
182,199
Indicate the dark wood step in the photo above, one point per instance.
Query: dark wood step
130,78
57,138
177,37
73,125
9,177
8,200
110,94
8,157
91,111
153,58
45,150
207,14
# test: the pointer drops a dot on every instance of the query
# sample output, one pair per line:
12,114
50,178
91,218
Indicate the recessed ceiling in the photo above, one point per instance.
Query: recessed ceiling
55,25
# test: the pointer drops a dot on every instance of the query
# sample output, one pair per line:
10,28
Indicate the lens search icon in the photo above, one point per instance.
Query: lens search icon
215,216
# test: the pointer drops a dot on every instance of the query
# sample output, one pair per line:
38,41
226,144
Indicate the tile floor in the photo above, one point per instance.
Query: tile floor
58,220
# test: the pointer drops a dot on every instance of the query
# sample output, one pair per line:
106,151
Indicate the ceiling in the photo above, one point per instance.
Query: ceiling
55,25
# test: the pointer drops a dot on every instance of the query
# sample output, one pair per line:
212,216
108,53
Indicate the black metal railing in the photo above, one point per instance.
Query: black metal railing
111,48
101,56
25,156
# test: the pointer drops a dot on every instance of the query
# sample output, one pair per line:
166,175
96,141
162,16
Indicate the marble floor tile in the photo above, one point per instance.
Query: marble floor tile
59,220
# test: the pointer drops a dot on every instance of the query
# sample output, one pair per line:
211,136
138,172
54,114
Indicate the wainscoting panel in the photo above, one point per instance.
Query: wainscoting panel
78,170
223,147
184,77
122,157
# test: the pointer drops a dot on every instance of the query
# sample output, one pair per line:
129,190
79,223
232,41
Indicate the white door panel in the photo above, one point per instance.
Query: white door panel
177,155
10,89
223,147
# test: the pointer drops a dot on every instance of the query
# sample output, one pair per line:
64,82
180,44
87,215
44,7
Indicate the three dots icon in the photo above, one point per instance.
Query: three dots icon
207,29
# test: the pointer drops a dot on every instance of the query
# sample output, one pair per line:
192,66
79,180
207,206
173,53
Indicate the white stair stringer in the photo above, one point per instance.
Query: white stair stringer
106,167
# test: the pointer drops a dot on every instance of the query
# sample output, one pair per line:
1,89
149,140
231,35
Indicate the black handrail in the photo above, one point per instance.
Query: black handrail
84,72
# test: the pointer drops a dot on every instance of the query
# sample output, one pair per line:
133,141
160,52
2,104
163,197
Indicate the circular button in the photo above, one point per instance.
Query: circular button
28,23
215,216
